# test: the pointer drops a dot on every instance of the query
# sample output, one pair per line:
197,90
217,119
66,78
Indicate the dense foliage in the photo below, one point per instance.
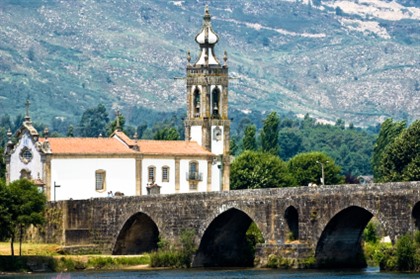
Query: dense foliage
255,170
401,159
351,148
307,168
389,131
178,255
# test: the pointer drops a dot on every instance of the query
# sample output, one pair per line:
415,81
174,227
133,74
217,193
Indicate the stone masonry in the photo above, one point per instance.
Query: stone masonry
326,222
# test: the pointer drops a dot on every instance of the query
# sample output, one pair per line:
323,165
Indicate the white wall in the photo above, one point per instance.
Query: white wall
16,165
217,146
167,187
215,177
76,177
196,134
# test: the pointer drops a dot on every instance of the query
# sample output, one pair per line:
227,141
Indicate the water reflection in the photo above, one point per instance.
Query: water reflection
369,273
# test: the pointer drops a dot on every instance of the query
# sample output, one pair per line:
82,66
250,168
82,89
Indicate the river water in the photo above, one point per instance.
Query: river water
369,273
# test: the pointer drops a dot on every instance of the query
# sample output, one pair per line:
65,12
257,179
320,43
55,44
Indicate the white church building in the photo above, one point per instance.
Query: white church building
82,168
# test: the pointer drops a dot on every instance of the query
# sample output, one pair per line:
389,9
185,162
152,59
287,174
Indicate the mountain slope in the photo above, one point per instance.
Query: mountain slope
332,59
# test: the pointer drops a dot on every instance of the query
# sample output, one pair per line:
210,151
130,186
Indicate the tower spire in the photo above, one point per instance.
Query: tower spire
207,119
207,39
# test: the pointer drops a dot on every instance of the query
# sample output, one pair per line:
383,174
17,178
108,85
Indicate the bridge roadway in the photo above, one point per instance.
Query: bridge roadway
325,222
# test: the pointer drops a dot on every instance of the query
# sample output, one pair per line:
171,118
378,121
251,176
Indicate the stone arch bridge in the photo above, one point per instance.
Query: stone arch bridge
323,222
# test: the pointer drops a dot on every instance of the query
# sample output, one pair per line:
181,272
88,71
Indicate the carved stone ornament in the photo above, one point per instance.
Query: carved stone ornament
217,134
26,155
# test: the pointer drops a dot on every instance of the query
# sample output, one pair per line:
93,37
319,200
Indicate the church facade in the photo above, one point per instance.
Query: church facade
81,168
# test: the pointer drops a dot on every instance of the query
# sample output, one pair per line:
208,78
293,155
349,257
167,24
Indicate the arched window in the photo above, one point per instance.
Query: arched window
215,96
197,102
151,174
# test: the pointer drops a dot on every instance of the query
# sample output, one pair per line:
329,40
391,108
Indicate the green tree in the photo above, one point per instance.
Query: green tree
290,141
166,133
94,122
249,142
401,160
388,133
234,146
306,168
405,251
2,164
5,214
70,131
27,206
270,134
253,170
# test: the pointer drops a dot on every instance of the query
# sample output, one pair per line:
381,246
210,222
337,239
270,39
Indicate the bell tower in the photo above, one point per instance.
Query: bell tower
207,119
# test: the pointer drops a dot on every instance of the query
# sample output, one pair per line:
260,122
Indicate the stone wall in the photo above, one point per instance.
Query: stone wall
326,215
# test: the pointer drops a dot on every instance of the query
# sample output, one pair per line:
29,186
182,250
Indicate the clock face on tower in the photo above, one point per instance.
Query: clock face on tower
217,134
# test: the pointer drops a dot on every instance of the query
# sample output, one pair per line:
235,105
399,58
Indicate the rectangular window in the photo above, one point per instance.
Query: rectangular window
151,174
100,180
165,174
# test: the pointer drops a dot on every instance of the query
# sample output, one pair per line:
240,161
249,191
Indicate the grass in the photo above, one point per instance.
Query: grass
46,257
30,249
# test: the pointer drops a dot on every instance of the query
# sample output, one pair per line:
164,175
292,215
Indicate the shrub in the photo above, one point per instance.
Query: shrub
405,251
180,256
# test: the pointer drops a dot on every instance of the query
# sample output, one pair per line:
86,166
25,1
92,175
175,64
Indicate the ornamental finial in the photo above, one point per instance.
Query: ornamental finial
225,58
118,126
46,133
27,104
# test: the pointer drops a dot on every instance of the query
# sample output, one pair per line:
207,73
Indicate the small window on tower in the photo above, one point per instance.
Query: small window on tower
100,176
196,103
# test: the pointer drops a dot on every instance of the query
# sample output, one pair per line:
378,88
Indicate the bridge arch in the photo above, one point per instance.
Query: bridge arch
415,213
224,241
138,235
340,242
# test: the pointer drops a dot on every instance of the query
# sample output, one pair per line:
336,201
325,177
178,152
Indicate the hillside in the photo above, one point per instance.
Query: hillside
333,59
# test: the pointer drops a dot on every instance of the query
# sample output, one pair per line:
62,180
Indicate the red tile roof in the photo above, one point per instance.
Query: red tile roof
88,146
178,147
115,146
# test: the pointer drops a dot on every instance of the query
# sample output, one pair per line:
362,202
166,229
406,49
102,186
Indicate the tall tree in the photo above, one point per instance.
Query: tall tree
94,122
389,131
401,161
166,133
308,167
290,141
5,214
249,142
27,208
270,134
253,170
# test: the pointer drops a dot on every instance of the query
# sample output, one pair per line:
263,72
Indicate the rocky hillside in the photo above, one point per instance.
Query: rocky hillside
356,60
